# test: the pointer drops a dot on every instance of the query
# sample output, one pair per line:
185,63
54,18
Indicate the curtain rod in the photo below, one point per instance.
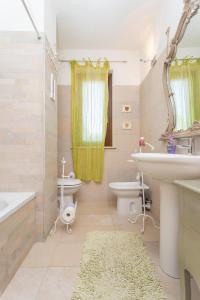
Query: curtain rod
93,61
31,19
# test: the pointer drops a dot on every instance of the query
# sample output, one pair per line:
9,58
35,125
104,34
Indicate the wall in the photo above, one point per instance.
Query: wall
50,24
169,13
188,52
21,101
50,182
23,135
153,120
125,91
13,17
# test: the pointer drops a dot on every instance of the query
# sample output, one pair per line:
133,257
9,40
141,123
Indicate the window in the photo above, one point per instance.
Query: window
93,105
182,101
108,141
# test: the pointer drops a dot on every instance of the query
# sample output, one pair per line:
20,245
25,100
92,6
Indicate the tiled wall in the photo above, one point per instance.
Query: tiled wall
50,183
116,167
154,120
25,121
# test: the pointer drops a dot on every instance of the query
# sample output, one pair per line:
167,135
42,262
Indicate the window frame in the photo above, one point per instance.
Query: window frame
109,132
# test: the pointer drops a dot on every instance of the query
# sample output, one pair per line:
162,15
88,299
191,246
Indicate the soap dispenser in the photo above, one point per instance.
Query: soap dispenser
171,145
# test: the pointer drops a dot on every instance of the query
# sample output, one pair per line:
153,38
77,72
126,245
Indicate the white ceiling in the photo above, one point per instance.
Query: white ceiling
104,24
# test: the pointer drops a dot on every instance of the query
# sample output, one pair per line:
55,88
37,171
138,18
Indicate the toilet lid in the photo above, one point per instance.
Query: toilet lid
68,181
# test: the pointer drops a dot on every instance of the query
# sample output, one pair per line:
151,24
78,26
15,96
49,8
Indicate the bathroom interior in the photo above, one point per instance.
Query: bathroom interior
100,149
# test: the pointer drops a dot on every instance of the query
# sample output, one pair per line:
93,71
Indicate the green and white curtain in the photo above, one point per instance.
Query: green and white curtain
89,118
185,84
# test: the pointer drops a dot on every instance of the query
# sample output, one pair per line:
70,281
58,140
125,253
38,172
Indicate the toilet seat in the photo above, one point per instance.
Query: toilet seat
70,182
129,186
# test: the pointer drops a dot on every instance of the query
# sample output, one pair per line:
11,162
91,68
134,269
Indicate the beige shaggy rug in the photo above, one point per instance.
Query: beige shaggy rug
115,266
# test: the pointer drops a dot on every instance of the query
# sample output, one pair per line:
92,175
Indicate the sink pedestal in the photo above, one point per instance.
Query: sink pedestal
167,168
169,224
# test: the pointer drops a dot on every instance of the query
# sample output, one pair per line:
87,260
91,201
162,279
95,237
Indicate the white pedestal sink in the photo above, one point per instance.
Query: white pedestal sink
167,168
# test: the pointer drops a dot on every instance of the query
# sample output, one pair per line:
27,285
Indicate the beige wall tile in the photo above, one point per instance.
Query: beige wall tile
154,120
28,133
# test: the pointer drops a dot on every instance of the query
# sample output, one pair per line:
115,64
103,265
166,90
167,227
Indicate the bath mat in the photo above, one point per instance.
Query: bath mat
115,266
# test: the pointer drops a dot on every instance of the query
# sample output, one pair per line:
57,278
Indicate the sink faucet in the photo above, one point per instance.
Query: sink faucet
189,145
142,143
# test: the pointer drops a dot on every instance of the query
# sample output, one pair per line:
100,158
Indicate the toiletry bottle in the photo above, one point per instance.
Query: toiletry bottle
171,145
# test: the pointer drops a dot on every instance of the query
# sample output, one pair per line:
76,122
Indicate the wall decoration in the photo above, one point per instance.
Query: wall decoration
126,108
127,125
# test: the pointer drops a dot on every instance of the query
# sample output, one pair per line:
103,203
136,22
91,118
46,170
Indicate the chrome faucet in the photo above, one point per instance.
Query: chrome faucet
189,146
142,143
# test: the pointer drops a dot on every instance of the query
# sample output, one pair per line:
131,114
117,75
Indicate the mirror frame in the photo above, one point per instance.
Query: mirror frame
191,8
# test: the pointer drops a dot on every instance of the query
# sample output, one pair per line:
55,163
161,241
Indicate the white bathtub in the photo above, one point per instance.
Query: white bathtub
11,202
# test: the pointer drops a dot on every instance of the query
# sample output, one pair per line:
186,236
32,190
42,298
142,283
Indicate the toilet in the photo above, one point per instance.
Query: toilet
128,199
70,187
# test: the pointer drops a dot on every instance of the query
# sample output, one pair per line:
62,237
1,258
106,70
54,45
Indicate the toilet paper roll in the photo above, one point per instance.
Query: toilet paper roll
68,214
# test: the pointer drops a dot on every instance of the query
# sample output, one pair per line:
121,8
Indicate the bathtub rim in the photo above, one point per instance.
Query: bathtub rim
11,209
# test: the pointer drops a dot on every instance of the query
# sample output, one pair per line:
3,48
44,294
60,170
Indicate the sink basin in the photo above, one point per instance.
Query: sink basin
166,168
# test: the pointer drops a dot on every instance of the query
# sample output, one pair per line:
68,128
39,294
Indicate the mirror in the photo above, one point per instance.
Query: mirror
182,75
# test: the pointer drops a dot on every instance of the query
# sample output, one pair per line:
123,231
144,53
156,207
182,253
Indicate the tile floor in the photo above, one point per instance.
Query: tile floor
49,271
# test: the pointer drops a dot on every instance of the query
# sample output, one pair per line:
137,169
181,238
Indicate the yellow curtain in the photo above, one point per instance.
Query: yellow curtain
185,83
89,118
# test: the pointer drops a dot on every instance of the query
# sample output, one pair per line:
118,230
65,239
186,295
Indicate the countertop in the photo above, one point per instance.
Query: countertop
192,185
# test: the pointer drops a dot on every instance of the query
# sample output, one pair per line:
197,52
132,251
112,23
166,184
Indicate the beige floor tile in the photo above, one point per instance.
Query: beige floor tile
58,284
66,255
170,285
85,210
151,234
25,284
153,251
93,227
39,255
122,223
79,232
95,220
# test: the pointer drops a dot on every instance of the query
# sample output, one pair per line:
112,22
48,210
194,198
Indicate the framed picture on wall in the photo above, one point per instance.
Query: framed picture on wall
126,108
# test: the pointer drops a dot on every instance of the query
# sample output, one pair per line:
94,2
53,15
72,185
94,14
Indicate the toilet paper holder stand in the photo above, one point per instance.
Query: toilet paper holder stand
60,218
